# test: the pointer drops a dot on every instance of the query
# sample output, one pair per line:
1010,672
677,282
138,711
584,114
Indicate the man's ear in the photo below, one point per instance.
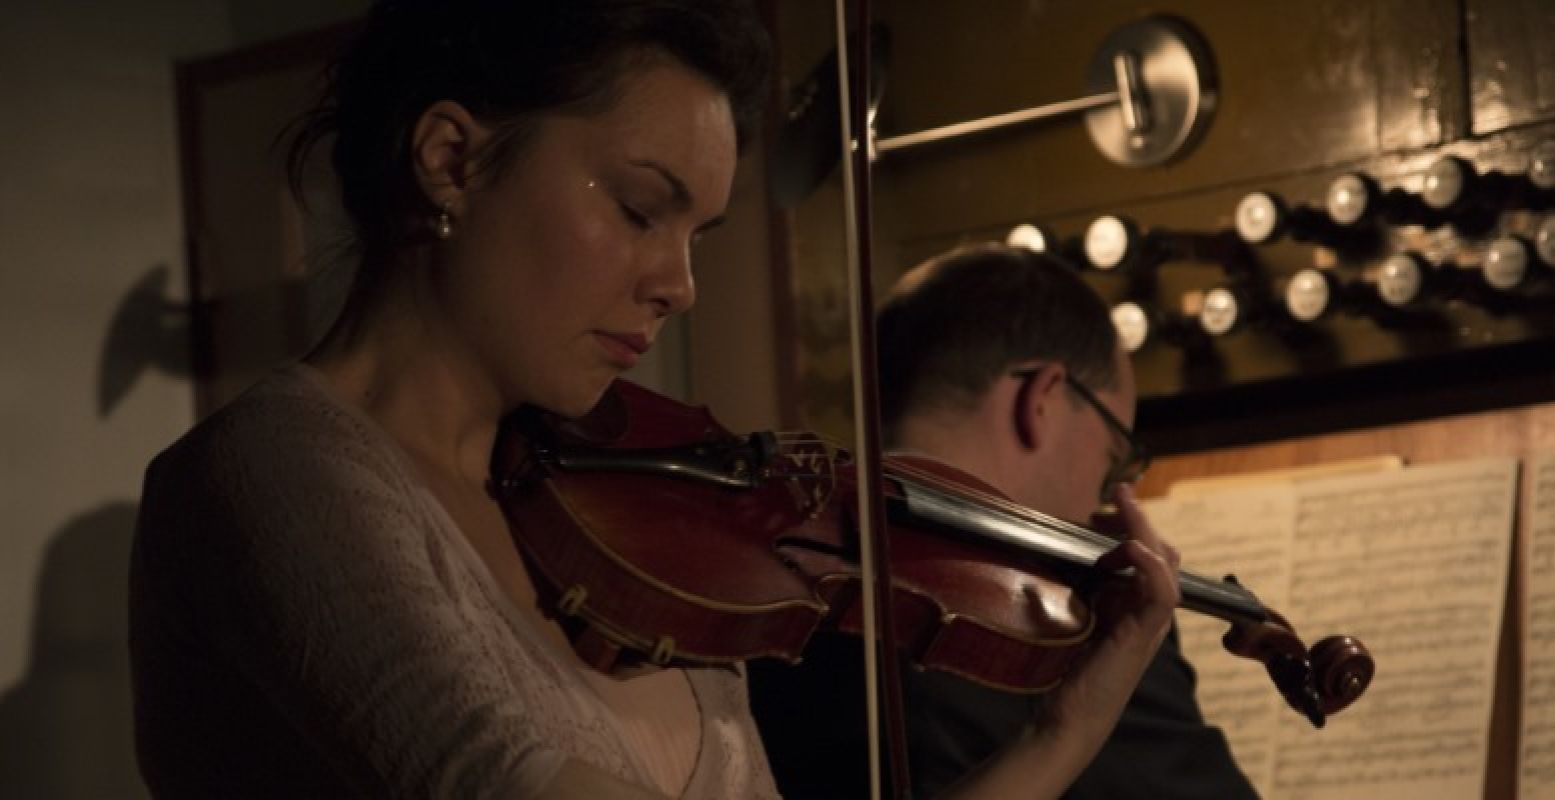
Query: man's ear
444,145
1033,405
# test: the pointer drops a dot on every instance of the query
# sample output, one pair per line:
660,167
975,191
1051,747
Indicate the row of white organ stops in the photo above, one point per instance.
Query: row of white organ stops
1355,212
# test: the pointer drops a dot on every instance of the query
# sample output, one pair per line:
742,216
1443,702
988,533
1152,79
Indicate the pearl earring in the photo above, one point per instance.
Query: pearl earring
443,222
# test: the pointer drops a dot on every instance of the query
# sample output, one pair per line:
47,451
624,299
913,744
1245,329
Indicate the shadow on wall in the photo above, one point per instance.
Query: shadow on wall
148,332
65,728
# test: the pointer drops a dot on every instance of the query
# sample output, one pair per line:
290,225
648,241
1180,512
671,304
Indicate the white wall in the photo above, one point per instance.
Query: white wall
89,207
261,20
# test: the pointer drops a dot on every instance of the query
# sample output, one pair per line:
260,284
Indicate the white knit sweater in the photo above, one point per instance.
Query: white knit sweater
306,620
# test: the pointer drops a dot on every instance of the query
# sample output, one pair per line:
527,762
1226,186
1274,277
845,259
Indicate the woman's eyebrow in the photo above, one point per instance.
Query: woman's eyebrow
678,190
680,194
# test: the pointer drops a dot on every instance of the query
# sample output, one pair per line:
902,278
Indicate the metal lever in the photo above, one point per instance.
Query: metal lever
1131,100
1049,111
1157,90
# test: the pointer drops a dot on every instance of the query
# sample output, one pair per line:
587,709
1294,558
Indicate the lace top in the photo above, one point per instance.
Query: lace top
306,620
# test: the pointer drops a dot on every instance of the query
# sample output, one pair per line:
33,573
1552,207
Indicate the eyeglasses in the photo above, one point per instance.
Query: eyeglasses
1135,459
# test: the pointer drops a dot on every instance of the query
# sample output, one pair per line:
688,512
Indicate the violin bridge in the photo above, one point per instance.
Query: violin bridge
572,600
663,651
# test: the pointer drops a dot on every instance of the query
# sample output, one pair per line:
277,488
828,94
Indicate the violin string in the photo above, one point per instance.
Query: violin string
929,480
788,440
791,442
1199,586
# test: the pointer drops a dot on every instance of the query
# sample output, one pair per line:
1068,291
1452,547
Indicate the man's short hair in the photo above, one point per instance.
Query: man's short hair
957,322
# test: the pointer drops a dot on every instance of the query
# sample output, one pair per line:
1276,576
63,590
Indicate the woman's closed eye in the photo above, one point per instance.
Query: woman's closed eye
637,218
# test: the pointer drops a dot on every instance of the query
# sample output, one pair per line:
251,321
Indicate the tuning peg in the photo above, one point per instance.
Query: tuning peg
1544,241
1035,238
1113,242
1505,268
1355,200
1407,281
1227,309
1041,239
1506,275
1138,326
1541,167
1116,244
1473,201
1264,218
1449,184
1313,294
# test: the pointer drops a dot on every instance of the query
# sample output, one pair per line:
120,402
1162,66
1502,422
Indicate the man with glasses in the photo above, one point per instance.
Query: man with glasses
1004,364
1130,459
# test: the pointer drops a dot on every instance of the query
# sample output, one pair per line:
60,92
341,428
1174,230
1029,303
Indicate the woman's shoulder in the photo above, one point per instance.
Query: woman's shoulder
285,440
287,421
285,483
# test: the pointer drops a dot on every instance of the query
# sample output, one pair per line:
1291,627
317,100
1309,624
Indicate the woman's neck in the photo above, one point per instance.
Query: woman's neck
397,364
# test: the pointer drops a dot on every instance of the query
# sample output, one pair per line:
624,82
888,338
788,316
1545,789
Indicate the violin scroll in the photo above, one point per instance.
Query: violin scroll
1316,683
1342,668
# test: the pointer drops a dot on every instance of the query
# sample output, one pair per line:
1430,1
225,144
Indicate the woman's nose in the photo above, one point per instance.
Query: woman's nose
669,284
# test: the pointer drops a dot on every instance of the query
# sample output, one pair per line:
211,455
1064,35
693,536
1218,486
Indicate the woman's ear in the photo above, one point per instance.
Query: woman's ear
1033,404
444,144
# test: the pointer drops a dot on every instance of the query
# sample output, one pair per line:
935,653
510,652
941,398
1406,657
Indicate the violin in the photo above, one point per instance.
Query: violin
656,536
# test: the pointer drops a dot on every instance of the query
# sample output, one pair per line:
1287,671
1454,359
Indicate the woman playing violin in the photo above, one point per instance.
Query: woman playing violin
326,600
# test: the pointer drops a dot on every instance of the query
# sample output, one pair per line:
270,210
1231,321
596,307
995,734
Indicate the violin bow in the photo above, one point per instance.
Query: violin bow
882,669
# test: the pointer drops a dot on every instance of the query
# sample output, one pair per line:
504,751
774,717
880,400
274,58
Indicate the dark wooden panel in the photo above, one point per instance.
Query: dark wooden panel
818,286
1299,90
1511,61
1354,370
1308,91
1260,355
1421,97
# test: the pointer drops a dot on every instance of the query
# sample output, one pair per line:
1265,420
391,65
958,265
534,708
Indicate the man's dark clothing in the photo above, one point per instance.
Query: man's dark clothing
812,721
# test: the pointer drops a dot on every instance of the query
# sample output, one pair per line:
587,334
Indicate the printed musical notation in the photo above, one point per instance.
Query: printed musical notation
1414,562
1536,755
1249,532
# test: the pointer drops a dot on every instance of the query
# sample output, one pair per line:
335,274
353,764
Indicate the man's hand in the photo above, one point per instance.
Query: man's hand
1133,616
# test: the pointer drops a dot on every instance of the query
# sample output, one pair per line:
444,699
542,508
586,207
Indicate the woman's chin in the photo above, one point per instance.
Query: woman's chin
579,401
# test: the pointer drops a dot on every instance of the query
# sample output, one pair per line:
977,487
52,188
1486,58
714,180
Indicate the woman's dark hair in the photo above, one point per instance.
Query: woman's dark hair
957,322
507,62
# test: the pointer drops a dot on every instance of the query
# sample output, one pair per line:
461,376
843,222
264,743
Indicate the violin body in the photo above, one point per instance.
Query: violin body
643,566
654,535
995,617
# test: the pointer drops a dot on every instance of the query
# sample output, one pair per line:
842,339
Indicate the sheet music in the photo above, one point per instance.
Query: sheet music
1536,770
1414,563
1246,532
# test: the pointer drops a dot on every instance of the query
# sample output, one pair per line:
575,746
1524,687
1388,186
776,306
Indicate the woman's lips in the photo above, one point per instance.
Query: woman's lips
623,349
